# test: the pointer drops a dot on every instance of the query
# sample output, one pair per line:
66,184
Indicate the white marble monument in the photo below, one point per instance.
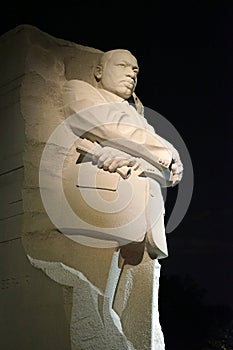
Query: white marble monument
62,288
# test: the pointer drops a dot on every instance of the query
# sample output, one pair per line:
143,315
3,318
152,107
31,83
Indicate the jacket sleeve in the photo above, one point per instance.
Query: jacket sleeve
118,125
110,125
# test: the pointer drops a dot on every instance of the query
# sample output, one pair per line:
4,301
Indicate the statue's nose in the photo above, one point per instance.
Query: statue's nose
132,74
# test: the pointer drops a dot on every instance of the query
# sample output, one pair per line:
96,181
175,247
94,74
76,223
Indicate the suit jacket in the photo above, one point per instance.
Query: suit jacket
112,208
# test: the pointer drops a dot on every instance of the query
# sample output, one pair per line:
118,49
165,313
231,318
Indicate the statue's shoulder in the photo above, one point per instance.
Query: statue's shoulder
79,95
76,84
80,90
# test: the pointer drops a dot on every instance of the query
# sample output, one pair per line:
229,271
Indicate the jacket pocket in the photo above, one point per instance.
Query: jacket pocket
90,176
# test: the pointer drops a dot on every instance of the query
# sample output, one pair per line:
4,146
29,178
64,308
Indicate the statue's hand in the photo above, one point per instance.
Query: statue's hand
176,169
111,159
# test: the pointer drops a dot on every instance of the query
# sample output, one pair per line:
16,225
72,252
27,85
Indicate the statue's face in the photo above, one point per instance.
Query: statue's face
119,74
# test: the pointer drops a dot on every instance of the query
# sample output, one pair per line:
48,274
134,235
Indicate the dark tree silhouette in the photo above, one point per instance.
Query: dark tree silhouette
222,340
187,322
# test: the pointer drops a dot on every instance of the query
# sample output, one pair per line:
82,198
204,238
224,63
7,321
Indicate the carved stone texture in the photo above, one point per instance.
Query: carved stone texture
66,301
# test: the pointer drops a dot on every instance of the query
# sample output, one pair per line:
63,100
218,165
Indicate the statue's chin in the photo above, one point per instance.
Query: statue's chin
126,94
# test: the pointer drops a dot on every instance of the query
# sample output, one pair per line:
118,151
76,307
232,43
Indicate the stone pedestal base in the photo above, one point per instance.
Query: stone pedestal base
94,324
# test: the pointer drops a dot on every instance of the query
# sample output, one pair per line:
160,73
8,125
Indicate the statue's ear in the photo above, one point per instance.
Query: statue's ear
98,72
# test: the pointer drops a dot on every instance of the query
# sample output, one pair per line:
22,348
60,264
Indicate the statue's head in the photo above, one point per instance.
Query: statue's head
117,72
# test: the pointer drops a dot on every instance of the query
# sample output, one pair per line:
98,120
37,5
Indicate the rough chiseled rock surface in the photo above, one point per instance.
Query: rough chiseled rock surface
56,293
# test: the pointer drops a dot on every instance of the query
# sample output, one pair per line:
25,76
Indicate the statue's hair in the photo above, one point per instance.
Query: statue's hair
108,54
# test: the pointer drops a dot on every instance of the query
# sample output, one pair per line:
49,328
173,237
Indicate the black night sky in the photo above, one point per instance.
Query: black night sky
185,54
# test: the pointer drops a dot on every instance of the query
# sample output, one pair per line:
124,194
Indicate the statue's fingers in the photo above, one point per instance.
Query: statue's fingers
116,163
132,162
103,159
107,163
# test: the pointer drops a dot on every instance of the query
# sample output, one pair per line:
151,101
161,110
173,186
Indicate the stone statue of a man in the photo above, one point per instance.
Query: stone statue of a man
112,172
111,117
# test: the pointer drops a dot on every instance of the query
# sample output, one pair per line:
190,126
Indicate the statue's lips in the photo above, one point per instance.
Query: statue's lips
129,84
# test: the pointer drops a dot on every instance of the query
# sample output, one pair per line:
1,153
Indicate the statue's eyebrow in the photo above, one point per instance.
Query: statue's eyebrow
129,64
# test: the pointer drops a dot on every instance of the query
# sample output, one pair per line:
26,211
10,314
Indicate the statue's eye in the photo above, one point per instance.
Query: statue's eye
122,64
